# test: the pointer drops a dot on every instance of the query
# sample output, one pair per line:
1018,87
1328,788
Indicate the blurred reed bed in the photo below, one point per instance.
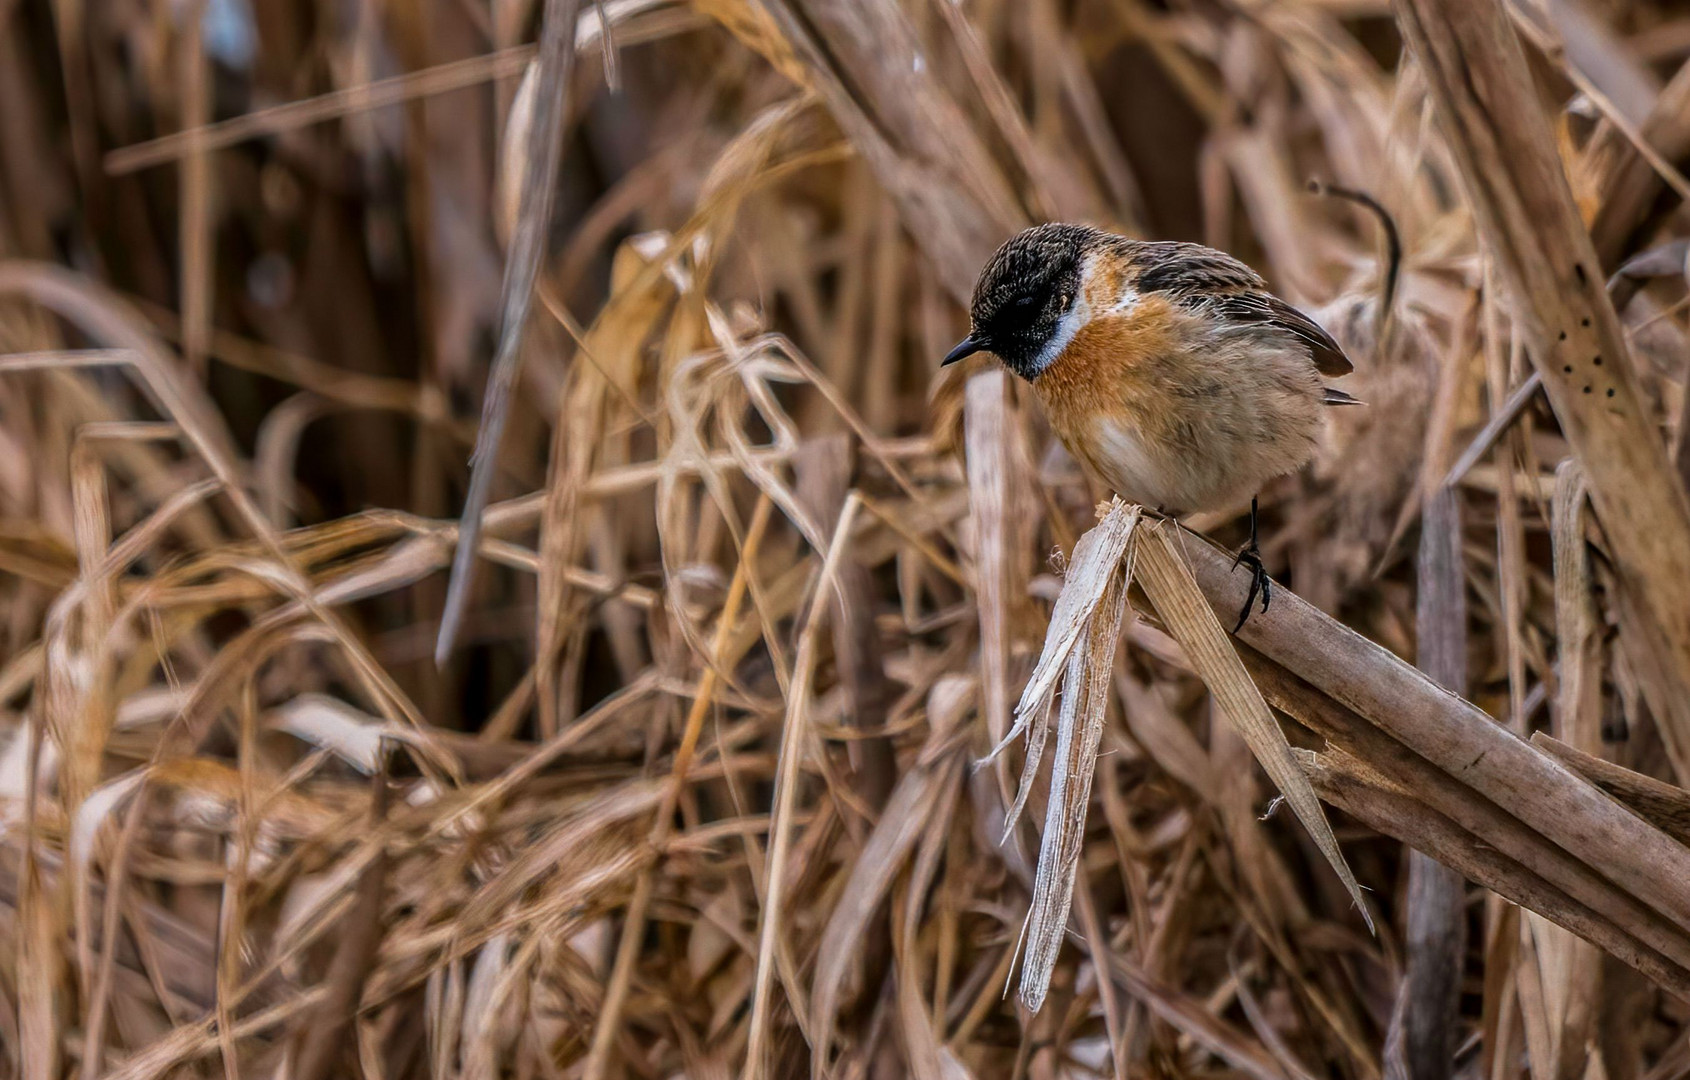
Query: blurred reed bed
697,791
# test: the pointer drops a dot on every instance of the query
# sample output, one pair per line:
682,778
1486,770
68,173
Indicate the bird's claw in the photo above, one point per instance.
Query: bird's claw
1251,556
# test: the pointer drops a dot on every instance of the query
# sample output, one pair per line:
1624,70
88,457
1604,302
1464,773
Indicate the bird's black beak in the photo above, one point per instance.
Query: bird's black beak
965,348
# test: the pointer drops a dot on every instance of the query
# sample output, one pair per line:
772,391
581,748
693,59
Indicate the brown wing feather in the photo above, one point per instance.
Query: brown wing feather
1328,355
1200,277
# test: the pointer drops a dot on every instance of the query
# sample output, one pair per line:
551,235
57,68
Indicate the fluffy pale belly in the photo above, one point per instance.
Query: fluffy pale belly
1122,459
1219,466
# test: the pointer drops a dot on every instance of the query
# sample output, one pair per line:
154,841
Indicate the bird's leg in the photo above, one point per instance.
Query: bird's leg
1251,556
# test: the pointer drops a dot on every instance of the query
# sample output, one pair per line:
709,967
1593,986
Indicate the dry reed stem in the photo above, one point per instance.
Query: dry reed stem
1456,737
543,147
1665,805
1395,813
1468,808
1423,1024
989,504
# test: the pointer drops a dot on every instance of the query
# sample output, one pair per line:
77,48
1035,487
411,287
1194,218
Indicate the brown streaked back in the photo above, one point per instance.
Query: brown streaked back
1202,278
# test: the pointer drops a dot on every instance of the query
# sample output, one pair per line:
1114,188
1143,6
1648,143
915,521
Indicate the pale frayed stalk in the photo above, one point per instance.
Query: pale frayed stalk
1089,610
1080,647
1096,556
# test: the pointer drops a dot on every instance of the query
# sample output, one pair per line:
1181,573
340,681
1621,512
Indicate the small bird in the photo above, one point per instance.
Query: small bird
1166,368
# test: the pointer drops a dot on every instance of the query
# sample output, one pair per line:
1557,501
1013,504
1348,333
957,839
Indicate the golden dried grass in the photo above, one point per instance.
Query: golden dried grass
698,792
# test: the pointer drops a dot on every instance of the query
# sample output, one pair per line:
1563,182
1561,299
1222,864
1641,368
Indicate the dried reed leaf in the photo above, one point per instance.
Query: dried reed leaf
1196,1022
1168,582
751,23
1096,557
514,147
353,736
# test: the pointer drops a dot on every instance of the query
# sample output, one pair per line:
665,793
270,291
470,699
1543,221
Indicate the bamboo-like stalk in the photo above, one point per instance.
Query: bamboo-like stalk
1485,824
1493,123
1395,813
1459,740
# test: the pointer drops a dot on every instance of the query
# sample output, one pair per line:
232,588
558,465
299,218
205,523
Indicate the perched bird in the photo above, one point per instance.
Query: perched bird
1166,368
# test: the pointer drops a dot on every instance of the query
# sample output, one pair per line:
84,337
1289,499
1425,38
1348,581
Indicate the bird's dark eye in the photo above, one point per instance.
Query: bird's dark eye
1023,301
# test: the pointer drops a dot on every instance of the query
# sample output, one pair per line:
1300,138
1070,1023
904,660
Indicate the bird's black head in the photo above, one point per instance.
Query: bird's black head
1022,295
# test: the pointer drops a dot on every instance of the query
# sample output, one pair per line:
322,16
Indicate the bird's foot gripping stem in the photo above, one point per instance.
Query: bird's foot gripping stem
1251,556
1259,582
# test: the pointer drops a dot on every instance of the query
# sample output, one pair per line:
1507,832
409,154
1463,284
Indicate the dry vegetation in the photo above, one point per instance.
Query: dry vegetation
698,788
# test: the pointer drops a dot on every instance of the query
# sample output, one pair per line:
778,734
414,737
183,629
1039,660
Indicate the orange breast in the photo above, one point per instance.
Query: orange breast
1111,369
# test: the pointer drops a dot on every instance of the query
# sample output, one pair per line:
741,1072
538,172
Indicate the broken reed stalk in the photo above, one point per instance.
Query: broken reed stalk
1079,651
1484,824
1493,122
1079,729
1081,643
1460,739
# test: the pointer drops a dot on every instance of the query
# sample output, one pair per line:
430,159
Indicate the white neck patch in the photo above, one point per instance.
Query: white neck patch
1078,313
